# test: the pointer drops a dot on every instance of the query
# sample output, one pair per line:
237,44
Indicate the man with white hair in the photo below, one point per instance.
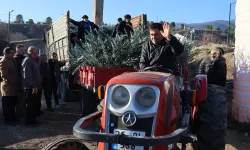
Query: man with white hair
214,67
32,83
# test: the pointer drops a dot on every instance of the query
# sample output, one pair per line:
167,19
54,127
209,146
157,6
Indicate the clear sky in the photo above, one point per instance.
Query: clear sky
187,11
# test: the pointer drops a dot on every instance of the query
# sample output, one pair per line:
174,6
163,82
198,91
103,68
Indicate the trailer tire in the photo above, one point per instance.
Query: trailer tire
63,144
88,102
211,120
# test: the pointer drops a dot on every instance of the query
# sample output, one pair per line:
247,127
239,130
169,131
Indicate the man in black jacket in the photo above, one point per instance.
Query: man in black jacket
84,26
55,66
162,49
46,80
18,58
130,30
214,67
121,28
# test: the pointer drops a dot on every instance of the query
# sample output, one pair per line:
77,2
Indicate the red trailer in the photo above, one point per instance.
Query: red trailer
85,81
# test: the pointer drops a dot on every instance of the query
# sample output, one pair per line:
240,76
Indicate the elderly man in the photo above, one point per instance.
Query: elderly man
9,86
161,51
214,67
19,57
32,83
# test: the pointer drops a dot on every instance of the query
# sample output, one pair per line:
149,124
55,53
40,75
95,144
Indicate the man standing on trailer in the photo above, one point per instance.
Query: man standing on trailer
121,28
127,18
84,26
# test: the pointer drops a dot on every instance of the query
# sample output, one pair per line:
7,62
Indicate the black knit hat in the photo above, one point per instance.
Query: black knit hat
85,17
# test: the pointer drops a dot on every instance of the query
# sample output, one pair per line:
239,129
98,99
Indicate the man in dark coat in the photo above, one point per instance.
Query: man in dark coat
19,57
121,28
32,84
128,18
9,86
162,49
84,26
46,80
55,66
214,67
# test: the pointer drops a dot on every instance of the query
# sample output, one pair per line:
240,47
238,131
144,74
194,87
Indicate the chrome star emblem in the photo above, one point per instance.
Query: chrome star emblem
129,119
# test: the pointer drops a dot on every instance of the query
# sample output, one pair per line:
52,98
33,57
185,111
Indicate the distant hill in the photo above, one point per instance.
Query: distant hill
222,24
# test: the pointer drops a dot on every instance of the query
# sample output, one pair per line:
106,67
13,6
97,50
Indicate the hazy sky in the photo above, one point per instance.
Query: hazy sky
188,11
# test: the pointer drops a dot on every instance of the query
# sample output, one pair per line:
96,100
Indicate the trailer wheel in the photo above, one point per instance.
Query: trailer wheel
66,144
211,120
88,102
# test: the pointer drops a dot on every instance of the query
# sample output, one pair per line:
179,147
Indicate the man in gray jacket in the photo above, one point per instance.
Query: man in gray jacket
32,84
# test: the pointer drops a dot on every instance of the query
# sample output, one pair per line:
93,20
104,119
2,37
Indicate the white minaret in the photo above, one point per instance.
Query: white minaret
241,95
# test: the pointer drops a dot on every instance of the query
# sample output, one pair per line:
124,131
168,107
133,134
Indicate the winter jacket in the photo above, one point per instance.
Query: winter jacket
83,27
55,70
216,70
31,73
121,29
18,61
46,73
10,84
163,54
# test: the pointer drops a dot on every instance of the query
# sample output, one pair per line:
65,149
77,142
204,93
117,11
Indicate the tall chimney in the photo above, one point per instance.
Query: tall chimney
98,11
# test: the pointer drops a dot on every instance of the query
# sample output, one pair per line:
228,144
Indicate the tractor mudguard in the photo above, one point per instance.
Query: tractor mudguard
88,134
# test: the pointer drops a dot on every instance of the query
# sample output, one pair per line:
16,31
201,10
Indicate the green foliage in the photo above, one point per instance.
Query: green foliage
172,24
210,27
101,50
182,26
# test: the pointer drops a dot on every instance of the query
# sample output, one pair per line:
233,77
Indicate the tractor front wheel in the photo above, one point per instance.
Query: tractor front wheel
66,144
211,120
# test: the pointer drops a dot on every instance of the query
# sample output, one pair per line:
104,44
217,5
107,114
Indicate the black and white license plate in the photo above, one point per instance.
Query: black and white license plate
128,147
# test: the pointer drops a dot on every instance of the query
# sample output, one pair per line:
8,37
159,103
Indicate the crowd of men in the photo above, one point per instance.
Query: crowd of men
24,79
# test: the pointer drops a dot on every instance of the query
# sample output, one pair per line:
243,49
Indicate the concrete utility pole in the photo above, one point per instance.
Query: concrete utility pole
229,22
9,27
98,11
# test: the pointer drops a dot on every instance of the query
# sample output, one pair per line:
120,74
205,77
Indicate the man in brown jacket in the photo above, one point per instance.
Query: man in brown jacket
9,86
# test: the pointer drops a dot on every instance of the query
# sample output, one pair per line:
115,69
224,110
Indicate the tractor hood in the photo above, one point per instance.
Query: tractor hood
147,78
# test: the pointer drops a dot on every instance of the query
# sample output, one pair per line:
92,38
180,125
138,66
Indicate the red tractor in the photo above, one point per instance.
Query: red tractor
155,111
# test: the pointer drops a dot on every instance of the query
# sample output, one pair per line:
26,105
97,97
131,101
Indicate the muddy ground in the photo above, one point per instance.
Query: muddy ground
58,125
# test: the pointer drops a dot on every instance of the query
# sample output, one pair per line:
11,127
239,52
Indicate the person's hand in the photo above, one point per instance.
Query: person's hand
166,31
35,91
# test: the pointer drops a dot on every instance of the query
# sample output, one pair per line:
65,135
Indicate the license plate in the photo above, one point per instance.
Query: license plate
128,147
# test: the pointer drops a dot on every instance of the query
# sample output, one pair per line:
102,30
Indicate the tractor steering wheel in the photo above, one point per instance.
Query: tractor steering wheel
158,68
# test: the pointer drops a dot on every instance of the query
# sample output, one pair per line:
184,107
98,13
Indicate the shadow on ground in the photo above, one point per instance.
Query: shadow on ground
55,125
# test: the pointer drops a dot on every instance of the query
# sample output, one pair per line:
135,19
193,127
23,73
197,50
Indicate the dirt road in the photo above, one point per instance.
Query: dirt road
58,125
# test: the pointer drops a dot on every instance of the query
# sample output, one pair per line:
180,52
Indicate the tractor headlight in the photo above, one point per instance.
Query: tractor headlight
120,96
146,97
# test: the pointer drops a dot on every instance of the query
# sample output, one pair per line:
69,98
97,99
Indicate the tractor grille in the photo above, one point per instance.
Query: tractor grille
142,124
